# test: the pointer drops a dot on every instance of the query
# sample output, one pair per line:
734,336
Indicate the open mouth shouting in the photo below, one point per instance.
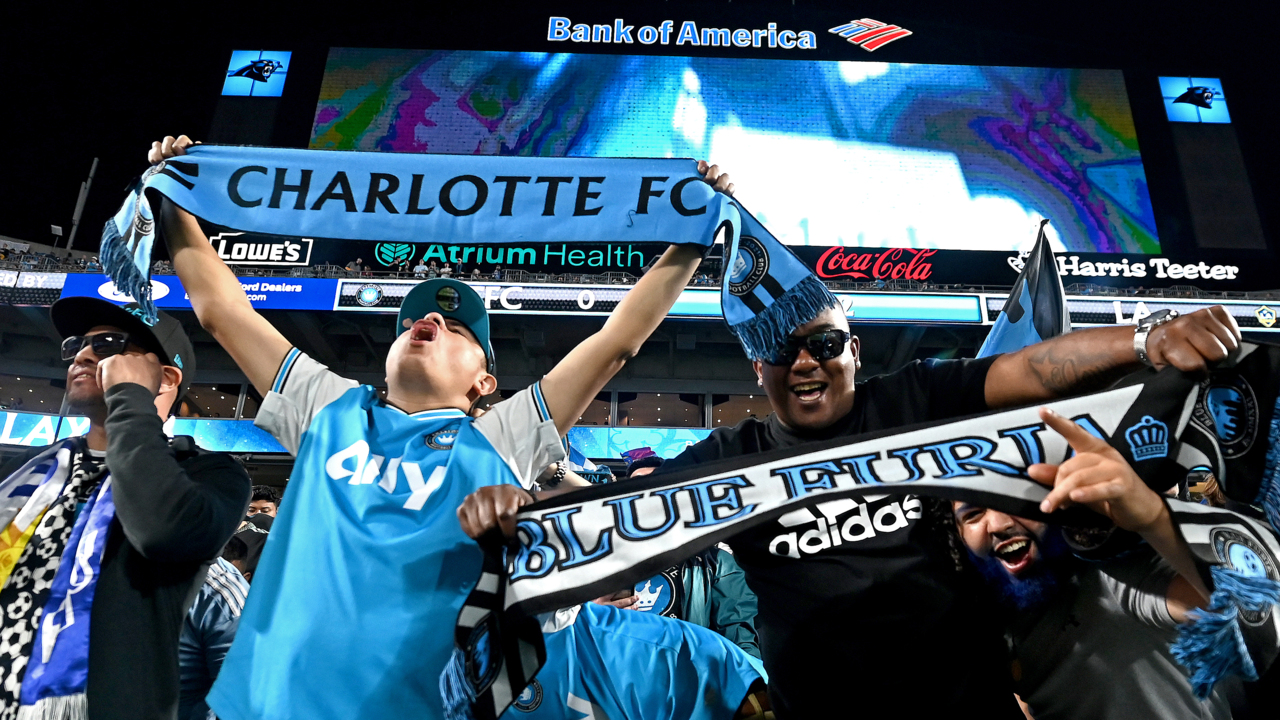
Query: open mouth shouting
1015,554
808,392
423,331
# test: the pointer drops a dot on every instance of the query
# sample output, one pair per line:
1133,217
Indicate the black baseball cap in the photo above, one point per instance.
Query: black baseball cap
165,337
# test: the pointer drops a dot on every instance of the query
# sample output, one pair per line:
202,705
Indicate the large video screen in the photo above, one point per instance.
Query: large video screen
858,154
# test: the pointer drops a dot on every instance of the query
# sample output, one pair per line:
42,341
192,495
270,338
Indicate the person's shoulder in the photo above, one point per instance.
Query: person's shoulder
8,467
722,442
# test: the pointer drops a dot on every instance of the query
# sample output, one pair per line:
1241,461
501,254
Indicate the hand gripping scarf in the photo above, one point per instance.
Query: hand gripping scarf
475,199
578,546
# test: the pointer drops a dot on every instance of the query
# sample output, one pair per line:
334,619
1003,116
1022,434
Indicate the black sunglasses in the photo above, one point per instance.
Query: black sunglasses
823,345
104,344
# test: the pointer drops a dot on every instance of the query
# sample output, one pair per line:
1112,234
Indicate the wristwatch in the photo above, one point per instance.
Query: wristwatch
1145,325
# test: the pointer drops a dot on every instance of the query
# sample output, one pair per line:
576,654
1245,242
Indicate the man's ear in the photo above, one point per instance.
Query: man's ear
485,385
856,346
170,379
759,368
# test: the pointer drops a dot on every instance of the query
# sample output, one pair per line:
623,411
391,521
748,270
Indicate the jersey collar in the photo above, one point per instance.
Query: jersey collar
436,414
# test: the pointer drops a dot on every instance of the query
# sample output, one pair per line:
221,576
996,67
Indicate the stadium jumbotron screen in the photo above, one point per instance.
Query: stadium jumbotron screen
859,154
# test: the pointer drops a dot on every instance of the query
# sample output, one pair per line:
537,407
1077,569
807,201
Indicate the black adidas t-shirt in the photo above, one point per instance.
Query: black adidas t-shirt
860,607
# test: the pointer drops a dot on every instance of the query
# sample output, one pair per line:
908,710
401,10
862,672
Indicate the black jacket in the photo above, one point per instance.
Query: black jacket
176,505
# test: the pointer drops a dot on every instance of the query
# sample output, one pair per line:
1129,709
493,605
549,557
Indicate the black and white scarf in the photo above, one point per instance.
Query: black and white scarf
579,546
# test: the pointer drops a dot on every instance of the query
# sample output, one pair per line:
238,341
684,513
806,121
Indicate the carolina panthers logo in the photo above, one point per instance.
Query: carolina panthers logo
530,698
750,265
369,295
1199,96
258,70
442,439
1246,556
1231,405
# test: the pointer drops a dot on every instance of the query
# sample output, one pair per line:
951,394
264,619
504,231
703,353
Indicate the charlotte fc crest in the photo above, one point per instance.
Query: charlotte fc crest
1227,405
750,266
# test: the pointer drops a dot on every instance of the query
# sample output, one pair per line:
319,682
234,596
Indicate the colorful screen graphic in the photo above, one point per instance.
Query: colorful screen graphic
1192,99
257,73
860,154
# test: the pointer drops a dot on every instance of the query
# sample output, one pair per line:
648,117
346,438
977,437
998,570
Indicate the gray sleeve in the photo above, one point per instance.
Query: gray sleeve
520,428
1140,584
301,389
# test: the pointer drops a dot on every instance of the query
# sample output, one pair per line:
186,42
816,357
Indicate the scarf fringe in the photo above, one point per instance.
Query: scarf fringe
1212,646
119,265
457,693
65,707
763,334
1269,489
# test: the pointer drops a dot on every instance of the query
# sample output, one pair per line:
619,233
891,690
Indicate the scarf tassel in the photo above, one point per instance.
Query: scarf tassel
118,262
1212,646
64,707
764,333
457,693
1269,489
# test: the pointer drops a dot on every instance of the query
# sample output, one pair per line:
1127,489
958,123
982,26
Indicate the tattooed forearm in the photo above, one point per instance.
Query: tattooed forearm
1067,366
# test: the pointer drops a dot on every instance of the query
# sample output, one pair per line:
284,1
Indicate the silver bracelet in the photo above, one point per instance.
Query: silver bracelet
559,475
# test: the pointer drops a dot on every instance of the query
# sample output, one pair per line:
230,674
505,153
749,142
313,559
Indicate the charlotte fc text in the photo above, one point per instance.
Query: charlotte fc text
459,196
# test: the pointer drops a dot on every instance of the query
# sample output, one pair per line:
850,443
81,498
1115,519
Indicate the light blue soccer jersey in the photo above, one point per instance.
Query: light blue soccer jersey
609,664
354,600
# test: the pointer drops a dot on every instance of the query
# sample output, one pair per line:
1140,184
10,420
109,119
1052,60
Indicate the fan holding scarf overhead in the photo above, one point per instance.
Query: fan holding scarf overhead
849,578
377,481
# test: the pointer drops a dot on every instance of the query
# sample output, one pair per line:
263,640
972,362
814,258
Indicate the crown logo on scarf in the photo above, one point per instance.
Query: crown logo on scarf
1148,439
647,598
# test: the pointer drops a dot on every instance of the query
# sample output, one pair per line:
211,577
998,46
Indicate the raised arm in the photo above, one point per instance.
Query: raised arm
216,294
576,379
1099,477
1089,360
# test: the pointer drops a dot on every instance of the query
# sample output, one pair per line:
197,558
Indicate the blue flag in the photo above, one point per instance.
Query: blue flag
1036,309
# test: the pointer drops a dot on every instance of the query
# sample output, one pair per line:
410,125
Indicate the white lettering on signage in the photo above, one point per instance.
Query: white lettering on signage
842,521
560,29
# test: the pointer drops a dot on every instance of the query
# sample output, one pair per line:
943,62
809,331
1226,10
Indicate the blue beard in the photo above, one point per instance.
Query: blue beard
1040,584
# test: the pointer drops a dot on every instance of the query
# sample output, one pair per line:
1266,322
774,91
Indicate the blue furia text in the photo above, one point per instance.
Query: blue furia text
560,29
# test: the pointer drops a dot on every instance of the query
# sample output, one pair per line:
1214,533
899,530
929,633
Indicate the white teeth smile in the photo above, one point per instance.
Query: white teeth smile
808,387
1013,547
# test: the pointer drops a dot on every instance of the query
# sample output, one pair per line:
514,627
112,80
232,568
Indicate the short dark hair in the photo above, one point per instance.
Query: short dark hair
235,549
265,492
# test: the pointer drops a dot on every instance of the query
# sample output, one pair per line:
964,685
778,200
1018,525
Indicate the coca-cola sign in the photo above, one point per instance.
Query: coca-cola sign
891,264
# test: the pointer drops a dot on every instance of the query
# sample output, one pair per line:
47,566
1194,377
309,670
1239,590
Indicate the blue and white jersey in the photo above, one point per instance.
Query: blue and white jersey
355,597
609,664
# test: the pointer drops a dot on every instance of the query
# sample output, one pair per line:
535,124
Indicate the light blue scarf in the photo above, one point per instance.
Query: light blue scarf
472,199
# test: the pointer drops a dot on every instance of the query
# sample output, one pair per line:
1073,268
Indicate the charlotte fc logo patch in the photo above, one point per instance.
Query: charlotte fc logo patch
750,266
369,295
442,439
1231,409
1249,558
657,595
530,698
1148,439
481,670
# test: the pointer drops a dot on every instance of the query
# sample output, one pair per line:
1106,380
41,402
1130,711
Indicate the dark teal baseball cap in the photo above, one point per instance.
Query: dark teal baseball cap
452,299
